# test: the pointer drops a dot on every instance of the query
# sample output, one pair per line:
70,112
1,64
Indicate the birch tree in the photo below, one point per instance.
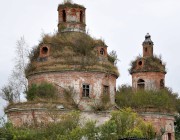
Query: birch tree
17,82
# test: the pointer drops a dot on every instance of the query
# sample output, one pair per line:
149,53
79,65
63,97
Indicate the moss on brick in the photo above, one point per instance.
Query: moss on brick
70,51
149,64
70,5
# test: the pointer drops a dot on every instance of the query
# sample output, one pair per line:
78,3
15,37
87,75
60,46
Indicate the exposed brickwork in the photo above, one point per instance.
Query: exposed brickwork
161,121
102,51
152,79
147,50
34,116
44,51
64,80
148,73
71,18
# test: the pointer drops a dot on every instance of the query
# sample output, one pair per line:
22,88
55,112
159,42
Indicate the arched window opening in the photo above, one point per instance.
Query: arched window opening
81,16
102,52
140,63
162,83
141,84
64,16
44,50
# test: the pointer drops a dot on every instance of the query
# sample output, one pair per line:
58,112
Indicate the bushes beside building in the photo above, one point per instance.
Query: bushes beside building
124,123
43,91
162,100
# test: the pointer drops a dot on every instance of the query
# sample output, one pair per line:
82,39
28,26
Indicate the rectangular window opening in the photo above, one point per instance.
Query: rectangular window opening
106,89
86,90
169,136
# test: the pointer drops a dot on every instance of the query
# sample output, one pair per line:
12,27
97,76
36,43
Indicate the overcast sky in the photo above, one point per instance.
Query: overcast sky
121,23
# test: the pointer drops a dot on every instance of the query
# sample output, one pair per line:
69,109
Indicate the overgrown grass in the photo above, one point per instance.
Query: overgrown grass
42,91
71,5
163,100
70,51
151,64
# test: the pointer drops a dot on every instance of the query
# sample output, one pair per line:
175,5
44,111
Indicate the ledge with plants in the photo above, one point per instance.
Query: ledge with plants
71,51
150,64
164,101
70,5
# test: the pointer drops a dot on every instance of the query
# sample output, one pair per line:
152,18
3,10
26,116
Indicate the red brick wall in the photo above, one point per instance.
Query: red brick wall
73,22
159,121
96,80
33,114
152,79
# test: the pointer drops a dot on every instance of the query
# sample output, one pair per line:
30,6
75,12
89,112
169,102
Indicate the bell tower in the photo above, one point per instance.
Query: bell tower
148,46
71,17
148,72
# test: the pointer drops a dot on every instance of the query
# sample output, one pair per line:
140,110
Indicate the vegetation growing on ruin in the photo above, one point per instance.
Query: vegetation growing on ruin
112,57
103,104
124,123
70,5
161,101
69,96
42,91
149,64
177,126
70,51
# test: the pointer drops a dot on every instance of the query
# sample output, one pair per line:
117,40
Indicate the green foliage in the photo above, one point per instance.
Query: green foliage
112,57
129,124
109,131
177,127
7,93
69,51
69,95
162,100
101,105
80,43
123,123
42,91
90,130
153,63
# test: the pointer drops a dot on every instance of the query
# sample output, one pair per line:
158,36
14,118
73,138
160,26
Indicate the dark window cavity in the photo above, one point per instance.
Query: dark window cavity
102,51
81,16
141,84
64,15
44,50
86,90
140,63
106,89
169,136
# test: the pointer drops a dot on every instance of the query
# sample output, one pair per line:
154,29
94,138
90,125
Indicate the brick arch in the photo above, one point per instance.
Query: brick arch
141,84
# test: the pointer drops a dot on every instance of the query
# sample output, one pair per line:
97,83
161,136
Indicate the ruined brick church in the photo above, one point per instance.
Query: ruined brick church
72,59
